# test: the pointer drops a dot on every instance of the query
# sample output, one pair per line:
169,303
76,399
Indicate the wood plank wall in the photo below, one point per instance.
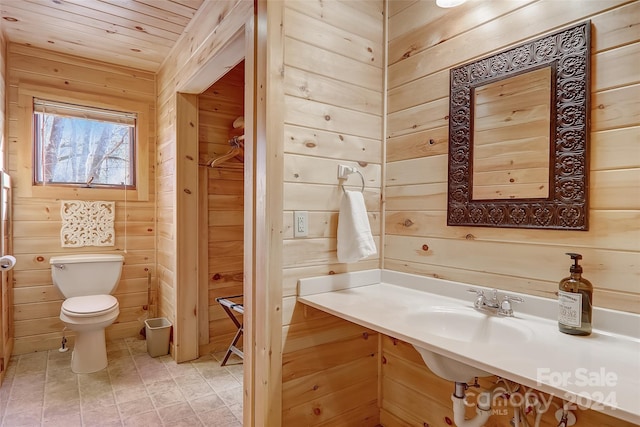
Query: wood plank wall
218,108
333,97
424,43
3,99
6,277
214,23
36,221
418,109
6,334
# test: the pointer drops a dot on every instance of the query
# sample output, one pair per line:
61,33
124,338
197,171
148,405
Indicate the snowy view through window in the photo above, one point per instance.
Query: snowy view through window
83,147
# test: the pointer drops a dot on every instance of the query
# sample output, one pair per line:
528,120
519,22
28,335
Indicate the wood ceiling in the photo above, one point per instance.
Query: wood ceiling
133,33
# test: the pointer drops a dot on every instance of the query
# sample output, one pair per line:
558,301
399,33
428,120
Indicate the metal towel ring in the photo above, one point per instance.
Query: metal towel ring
361,177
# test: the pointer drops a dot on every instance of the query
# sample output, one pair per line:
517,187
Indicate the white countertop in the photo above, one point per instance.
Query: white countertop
602,369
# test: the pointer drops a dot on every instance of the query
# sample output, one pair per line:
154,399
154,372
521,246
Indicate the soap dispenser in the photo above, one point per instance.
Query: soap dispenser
575,298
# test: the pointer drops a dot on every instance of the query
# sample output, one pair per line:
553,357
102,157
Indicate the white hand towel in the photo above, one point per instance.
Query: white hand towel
355,241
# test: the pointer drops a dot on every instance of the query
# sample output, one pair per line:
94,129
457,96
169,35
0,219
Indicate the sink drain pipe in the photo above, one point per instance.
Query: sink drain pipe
483,407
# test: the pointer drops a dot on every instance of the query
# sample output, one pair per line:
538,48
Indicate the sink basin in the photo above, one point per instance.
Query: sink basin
470,326
450,369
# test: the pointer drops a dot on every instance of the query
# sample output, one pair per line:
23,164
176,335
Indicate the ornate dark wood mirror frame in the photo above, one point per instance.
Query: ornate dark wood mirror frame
567,52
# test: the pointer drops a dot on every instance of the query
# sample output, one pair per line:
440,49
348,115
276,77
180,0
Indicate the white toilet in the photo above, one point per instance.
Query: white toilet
87,282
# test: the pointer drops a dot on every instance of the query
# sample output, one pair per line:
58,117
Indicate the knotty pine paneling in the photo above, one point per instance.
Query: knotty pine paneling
6,277
615,118
134,34
333,114
210,29
328,369
219,106
417,238
212,26
37,221
3,100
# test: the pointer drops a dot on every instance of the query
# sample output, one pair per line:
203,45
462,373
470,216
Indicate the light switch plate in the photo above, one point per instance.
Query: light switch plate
300,223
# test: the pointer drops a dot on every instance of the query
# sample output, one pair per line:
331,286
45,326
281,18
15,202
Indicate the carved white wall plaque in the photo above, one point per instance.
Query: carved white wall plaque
87,223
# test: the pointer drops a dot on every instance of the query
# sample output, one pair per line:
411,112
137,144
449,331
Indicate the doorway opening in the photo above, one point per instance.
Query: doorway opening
214,205
221,210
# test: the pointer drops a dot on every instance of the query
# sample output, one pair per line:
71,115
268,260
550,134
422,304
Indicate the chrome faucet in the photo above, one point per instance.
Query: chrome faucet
501,306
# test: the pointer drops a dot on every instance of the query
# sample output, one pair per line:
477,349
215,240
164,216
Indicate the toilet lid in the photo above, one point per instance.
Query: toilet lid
89,304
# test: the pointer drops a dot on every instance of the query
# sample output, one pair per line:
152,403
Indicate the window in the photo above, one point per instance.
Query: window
79,145
68,138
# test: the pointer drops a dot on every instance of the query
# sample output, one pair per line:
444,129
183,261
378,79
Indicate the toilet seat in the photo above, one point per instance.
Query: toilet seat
89,305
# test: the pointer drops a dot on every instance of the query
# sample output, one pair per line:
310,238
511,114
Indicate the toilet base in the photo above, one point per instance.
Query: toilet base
89,352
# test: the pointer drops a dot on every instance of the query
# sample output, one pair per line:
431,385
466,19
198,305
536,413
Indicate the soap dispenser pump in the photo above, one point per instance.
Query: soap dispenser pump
575,298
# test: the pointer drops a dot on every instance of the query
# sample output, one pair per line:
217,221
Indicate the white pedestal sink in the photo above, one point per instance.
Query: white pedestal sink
469,326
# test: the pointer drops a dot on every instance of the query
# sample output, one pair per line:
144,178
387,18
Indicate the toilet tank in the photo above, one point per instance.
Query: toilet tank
86,274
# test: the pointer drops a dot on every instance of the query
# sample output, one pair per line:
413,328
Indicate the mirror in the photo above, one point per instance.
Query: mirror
518,133
511,121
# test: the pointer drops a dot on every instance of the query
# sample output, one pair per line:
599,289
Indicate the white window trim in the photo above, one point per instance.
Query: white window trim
24,184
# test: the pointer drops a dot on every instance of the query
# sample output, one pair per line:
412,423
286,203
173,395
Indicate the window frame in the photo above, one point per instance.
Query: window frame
25,182
125,119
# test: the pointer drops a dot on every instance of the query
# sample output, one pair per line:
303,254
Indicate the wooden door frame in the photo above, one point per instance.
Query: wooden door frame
191,271
262,214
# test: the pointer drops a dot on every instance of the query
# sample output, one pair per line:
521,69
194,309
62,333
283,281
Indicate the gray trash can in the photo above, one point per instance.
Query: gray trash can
158,332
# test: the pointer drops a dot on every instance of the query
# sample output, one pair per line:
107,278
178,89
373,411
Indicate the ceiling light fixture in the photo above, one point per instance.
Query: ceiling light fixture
449,3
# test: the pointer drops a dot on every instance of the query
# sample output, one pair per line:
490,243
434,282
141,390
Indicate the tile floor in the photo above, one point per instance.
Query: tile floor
135,390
